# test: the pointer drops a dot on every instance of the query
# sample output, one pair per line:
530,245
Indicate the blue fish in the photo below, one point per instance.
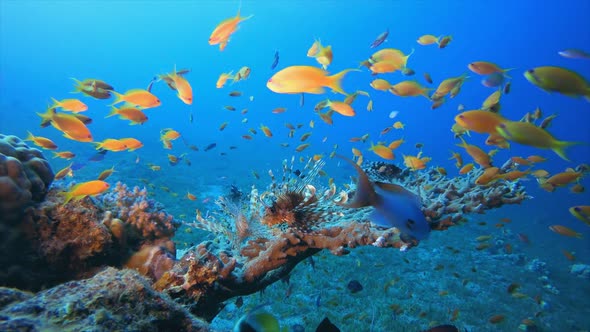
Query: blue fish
394,206
98,156
275,61
493,80
380,39
77,165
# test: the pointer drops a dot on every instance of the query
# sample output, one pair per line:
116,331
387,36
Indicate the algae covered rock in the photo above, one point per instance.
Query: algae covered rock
25,176
112,300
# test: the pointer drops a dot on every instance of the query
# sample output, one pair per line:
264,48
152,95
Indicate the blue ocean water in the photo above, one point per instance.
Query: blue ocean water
45,43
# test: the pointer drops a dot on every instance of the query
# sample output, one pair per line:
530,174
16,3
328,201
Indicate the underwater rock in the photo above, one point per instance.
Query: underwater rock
56,242
112,300
580,270
25,176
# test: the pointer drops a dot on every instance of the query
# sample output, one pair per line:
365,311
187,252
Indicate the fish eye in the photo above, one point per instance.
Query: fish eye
502,125
461,116
531,71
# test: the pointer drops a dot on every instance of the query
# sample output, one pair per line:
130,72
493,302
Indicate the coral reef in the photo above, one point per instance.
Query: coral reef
25,177
57,242
261,240
112,300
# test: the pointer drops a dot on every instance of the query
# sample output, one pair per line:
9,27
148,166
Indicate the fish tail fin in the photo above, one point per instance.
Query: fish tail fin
78,87
67,195
560,147
242,19
56,103
335,81
118,97
114,111
408,56
30,136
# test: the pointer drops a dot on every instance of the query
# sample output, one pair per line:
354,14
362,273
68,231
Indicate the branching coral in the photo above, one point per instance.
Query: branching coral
294,222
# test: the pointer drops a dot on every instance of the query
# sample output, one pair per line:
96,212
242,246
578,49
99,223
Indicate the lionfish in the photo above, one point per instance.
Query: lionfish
292,202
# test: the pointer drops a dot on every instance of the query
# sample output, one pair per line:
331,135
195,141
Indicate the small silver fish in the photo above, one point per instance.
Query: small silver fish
573,53
380,39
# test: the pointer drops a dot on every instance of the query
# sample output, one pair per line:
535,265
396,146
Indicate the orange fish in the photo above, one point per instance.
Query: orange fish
415,162
582,212
428,40
64,154
327,117
305,79
223,79
131,143
480,121
489,175
106,173
184,89
279,110
43,142
137,97
466,169
382,151
341,108
243,74
478,155
323,55
111,144
135,115
565,231
72,127
458,158
485,68
447,85
72,105
90,188
64,172
266,130
380,84
225,29
395,144
302,147
169,134
409,89
190,196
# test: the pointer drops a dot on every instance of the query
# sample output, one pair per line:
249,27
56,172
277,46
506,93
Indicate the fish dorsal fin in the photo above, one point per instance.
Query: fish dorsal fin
397,189
365,194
